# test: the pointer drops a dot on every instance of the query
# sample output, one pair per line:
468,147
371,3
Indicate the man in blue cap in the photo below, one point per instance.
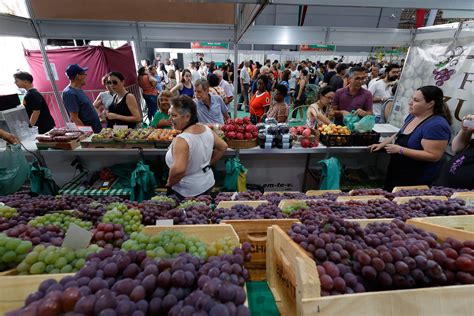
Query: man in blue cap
80,108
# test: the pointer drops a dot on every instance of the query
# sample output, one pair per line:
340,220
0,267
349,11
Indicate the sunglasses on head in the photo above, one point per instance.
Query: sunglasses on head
114,82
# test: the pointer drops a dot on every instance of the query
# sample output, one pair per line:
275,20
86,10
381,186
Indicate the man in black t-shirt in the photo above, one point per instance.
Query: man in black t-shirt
35,104
337,81
331,72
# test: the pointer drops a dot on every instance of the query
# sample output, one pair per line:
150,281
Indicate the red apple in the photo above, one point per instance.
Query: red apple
231,135
246,120
248,136
239,136
240,129
305,143
230,128
249,128
307,132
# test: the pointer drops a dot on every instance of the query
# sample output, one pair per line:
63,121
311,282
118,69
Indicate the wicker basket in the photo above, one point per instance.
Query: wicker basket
242,144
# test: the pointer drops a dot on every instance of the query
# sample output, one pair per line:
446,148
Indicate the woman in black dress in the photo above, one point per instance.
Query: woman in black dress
459,171
124,109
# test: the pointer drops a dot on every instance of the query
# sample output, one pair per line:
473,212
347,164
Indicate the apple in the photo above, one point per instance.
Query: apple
300,129
230,121
231,135
293,130
239,121
246,120
307,132
254,134
248,136
249,128
230,128
239,136
240,129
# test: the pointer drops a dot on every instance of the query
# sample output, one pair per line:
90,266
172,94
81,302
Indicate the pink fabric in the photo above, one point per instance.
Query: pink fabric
99,59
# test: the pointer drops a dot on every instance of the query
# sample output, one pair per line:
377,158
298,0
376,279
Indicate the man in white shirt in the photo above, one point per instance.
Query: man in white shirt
245,84
194,73
381,91
294,75
229,93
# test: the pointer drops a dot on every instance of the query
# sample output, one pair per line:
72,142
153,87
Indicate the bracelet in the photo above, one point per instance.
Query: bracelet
401,150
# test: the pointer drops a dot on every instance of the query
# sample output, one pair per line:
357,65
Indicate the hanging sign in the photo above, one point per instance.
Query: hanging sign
318,48
448,64
206,45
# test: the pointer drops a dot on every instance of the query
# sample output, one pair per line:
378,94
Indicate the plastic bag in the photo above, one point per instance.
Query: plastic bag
366,124
233,170
242,181
350,119
143,183
41,180
331,174
13,169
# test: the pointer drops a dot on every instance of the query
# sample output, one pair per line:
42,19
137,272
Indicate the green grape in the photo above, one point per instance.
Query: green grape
164,199
189,203
12,243
62,220
23,267
9,256
7,211
79,263
12,251
67,269
24,247
38,268
31,258
60,263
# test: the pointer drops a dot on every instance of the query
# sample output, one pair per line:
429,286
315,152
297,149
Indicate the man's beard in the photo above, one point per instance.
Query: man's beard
392,78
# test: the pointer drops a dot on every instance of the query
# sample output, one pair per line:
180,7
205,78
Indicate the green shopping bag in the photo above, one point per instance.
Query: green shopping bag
233,169
41,180
331,174
143,183
13,169
350,119
366,124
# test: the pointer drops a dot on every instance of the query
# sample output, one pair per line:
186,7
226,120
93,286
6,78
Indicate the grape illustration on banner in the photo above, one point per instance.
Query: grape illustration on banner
445,68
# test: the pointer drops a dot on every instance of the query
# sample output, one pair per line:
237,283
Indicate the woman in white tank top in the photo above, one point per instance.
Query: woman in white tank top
191,154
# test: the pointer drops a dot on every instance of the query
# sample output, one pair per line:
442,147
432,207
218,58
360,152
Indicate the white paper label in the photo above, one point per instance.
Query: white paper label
72,126
86,129
164,222
77,237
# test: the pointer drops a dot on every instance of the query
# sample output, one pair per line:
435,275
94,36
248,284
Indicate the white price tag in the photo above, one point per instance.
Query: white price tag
117,127
77,237
164,222
72,126
86,129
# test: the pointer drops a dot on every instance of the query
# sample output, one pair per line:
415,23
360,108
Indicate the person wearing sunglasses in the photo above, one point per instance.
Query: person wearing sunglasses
124,108
80,108
353,97
104,99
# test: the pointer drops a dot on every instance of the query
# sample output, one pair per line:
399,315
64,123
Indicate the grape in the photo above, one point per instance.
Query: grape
263,211
7,211
62,220
12,251
108,233
129,219
164,199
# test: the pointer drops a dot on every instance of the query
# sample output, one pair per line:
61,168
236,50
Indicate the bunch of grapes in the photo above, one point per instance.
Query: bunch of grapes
223,196
7,211
46,235
221,247
52,259
120,283
188,203
92,212
109,233
249,196
166,244
130,219
153,211
192,215
331,196
263,211
437,207
12,251
275,198
435,190
297,206
206,199
61,220
7,223
164,199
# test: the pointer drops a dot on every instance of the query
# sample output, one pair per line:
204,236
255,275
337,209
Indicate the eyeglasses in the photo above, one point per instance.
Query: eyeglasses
114,82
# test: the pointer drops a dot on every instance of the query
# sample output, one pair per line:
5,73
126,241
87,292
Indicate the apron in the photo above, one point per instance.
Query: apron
402,170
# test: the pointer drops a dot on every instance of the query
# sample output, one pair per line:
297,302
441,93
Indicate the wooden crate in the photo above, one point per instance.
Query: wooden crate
58,145
254,231
229,204
360,198
468,197
460,227
15,289
321,192
406,199
293,279
410,187
205,233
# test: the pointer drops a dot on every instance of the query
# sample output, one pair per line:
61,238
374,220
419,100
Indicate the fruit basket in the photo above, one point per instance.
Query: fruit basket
242,144
365,139
336,140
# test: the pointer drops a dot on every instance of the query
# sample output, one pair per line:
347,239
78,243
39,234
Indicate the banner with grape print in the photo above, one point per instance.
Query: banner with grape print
448,64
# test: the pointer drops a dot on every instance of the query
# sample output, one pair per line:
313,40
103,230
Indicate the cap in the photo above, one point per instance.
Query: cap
74,69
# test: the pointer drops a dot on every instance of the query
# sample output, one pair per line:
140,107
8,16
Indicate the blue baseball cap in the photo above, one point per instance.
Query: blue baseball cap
74,69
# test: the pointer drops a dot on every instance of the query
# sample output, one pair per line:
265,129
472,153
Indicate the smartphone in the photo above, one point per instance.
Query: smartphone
468,123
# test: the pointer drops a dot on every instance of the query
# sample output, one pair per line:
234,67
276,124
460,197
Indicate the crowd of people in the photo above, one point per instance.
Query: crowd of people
203,93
